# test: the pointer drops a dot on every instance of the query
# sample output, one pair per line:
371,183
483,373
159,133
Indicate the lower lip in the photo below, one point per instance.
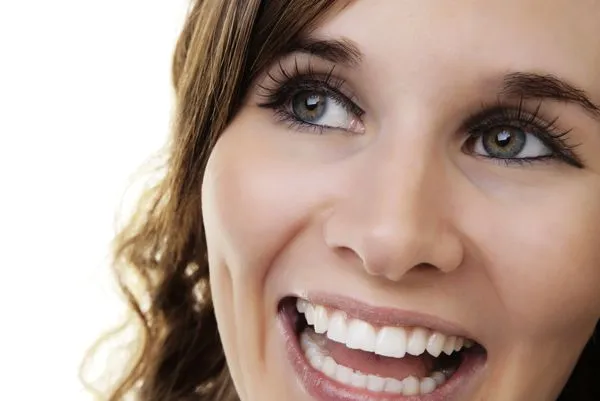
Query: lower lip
323,388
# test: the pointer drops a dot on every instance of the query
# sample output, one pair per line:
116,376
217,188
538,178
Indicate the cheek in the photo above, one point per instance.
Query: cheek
544,259
256,202
240,204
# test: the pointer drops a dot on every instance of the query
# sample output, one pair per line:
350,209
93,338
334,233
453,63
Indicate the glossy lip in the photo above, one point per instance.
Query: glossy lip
323,388
382,316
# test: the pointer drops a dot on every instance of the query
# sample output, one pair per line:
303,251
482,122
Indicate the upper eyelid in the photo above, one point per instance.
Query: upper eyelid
546,130
497,116
348,99
305,65
516,117
314,80
505,109
338,86
281,74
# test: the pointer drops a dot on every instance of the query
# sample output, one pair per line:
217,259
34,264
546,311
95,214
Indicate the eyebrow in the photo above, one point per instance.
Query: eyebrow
539,86
527,85
342,51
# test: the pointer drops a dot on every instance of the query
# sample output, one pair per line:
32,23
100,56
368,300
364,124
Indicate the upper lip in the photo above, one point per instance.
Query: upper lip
387,316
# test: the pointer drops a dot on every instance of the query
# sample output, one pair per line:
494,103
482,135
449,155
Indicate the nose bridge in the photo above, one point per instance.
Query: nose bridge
394,217
400,216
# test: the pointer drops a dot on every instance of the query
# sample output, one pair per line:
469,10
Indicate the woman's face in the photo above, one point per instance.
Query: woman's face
413,179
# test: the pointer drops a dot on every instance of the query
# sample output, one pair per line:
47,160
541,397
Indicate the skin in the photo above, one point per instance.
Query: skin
511,251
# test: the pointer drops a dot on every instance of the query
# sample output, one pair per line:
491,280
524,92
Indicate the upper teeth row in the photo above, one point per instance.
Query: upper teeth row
386,341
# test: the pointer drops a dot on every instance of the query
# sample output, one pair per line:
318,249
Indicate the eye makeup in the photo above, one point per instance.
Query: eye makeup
286,89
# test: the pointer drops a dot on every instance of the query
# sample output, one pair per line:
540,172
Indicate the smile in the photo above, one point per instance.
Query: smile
344,351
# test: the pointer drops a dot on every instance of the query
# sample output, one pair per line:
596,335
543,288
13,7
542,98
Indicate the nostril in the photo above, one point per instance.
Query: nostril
348,255
425,267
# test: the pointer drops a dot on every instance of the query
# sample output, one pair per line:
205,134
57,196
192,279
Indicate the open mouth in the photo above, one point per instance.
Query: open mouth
341,357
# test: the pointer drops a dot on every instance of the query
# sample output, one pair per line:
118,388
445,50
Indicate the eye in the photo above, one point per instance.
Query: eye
507,142
321,109
517,136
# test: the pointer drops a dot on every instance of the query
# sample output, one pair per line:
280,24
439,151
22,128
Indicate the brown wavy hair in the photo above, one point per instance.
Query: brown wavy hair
160,255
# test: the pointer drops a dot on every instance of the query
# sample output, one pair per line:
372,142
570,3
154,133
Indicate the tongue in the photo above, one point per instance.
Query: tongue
382,366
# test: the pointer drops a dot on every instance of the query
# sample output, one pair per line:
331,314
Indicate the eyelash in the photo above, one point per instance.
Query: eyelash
507,115
280,90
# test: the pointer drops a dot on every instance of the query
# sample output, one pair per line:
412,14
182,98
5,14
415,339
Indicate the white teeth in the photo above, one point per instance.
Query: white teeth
428,385
391,341
329,367
316,361
411,386
344,374
361,335
439,378
460,341
301,305
321,320
375,383
417,341
393,386
449,345
435,344
448,371
310,352
394,342
309,314
305,341
359,380
347,376
337,329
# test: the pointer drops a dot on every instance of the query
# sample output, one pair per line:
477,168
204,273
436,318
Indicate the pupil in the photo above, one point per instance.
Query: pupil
312,102
504,142
503,138
309,106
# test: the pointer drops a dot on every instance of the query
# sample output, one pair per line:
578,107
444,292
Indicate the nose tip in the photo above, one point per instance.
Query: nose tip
391,253
393,249
399,213
383,247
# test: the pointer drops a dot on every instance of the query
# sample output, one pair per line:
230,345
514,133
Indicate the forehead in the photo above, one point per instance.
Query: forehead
467,37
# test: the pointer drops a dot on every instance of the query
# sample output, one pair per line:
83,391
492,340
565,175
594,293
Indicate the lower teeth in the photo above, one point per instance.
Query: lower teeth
411,385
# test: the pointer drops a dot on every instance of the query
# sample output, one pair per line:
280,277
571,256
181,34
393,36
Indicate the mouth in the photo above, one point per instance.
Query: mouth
342,351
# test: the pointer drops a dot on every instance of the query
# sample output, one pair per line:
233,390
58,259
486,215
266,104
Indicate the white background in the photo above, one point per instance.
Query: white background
85,99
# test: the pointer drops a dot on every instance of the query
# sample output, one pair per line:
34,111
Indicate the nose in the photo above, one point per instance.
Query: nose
396,216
